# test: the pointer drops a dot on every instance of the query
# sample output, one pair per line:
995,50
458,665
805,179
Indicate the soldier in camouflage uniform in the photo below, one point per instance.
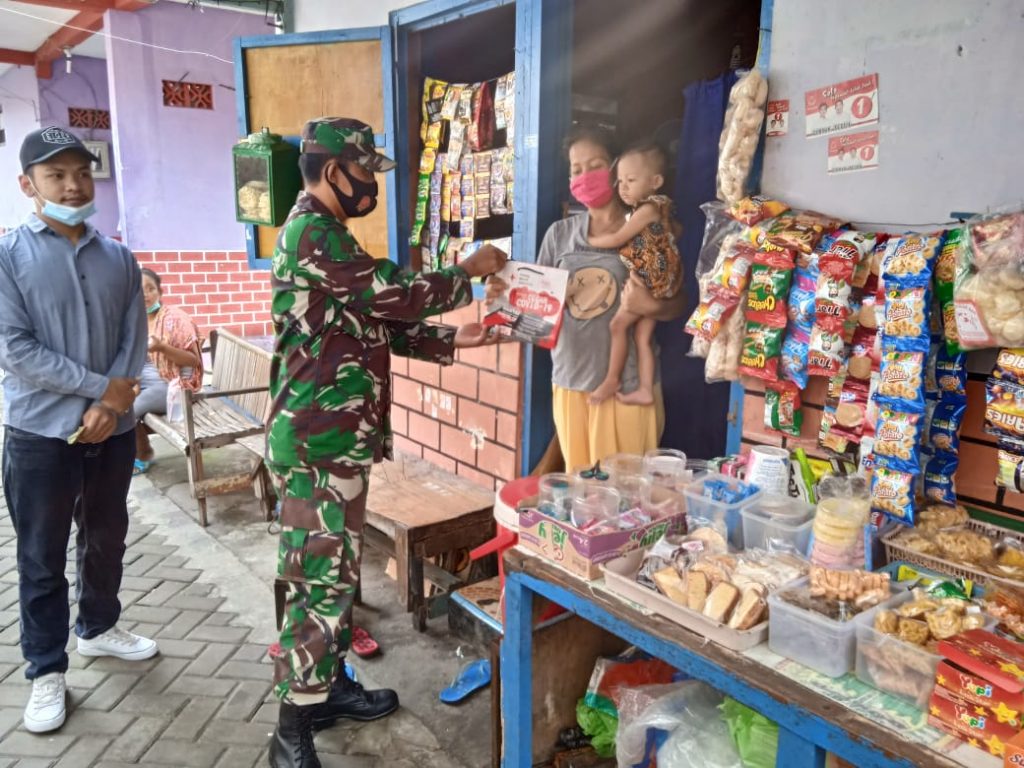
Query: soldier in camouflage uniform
339,315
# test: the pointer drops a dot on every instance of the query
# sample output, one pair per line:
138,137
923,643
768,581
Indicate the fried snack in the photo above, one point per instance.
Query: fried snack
917,608
965,546
861,587
913,631
721,601
670,585
887,622
944,623
750,610
939,516
1012,557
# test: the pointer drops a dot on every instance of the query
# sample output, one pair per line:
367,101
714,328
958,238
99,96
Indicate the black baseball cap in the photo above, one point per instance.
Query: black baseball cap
39,146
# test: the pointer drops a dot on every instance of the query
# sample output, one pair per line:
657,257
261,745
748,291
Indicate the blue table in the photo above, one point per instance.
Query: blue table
809,724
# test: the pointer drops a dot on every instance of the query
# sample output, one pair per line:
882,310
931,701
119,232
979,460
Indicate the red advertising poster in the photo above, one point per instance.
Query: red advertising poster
853,152
530,310
777,117
841,106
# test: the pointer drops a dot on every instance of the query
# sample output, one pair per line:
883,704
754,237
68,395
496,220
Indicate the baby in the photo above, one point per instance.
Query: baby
648,247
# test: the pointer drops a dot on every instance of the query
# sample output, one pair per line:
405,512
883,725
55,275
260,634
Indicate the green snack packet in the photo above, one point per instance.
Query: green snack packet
782,409
946,266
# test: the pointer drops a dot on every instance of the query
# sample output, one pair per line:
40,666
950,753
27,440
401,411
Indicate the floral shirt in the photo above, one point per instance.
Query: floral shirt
176,329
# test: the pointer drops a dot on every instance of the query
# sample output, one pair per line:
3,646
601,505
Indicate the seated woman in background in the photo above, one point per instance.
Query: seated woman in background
174,353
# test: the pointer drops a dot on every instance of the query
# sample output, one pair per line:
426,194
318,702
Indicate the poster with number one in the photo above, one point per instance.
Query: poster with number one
842,105
853,152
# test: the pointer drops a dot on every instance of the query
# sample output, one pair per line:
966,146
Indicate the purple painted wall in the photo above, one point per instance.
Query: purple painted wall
86,86
176,190
19,98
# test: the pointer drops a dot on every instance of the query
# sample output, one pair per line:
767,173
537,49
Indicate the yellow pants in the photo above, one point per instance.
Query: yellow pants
591,433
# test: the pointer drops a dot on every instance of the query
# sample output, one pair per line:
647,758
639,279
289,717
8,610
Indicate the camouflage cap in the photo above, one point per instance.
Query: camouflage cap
346,138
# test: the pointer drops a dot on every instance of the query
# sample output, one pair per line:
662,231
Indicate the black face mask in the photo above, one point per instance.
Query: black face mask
360,189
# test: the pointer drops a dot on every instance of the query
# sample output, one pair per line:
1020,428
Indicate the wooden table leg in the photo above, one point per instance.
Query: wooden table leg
403,561
417,592
517,674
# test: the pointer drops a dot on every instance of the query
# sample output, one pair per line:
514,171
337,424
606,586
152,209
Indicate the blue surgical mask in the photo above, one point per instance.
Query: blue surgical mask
66,214
154,309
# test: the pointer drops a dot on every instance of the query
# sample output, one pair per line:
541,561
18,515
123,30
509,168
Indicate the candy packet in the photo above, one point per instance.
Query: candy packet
1004,409
1010,365
793,360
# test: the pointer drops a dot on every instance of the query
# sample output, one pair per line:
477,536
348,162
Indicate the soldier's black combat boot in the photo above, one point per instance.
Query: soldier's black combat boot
291,746
348,699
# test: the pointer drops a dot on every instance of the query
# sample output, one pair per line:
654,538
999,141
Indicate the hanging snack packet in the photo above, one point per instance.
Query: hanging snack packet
731,274
826,354
938,478
800,230
793,361
800,305
910,258
770,277
427,162
997,239
898,439
481,129
906,315
851,410
757,208
951,374
709,317
450,105
782,408
899,384
500,91
944,427
892,493
864,353
1010,365
1004,409
456,146
762,346
433,91
1009,473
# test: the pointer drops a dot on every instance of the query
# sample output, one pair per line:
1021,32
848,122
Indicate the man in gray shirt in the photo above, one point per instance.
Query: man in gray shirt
72,344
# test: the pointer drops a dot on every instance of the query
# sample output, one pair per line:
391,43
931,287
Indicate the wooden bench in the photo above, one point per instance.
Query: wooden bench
228,411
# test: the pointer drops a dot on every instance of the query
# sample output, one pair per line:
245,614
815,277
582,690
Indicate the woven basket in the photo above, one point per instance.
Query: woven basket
895,551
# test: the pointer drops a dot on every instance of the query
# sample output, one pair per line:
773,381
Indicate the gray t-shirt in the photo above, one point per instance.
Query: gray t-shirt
596,277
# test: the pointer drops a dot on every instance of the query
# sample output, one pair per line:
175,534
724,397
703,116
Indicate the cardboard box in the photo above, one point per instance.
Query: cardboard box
977,690
582,553
988,656
978,726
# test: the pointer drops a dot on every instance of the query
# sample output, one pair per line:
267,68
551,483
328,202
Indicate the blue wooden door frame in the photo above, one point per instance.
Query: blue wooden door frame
385,141
543,47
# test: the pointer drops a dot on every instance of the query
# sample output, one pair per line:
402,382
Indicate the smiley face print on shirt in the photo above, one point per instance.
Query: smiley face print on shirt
592,291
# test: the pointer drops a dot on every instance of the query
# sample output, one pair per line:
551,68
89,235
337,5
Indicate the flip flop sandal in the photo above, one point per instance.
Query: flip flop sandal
471,678
363,645
141,467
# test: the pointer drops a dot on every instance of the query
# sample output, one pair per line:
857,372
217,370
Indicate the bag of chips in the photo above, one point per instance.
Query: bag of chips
1008,474
770,277
900,380
1010,365
851,410
799,230
951,374
826,354
909,259
782,408
762,345
898,440
892,493
945,277
709,317
757,208
906,317
793,362
1004,409
938,478
944,427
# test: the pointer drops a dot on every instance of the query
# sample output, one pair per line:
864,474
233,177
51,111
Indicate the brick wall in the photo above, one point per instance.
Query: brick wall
463,418
216,288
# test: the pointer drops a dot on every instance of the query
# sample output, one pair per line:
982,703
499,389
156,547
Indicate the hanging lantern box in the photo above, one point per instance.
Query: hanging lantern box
267,179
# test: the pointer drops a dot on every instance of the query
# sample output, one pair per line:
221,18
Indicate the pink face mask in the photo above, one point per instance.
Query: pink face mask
593,188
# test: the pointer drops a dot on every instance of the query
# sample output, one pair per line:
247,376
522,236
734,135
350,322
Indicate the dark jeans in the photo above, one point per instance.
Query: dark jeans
49,483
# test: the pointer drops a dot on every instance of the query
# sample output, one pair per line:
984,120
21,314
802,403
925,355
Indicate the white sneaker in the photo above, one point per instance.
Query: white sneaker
119,644
46,710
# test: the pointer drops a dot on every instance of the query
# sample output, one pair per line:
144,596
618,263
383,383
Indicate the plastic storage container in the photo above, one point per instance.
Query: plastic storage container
893,665
773,520
807,637
699,507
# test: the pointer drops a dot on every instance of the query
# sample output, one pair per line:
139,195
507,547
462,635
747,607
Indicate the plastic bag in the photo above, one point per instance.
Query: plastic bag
175,407
988,294
756,737
680,726
611,677
740,135
718,225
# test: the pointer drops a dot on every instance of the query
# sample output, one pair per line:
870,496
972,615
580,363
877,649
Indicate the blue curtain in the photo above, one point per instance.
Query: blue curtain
695,412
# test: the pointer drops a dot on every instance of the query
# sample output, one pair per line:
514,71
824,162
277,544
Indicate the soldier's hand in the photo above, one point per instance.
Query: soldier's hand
485,261
493,290
476,335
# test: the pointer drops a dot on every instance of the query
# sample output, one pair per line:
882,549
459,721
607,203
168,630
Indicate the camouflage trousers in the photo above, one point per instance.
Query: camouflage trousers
322,513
